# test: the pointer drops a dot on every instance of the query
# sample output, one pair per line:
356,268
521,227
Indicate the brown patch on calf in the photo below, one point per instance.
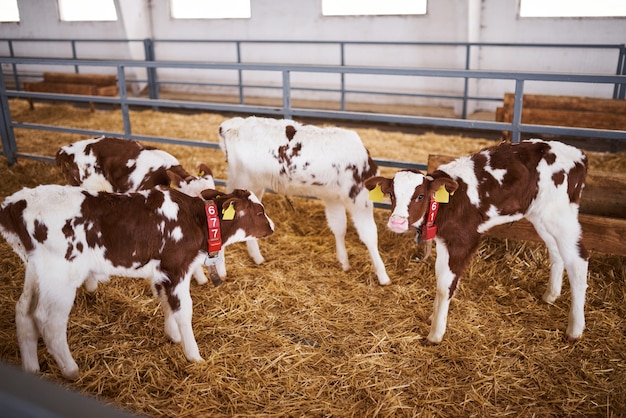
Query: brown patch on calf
576,181
558,178
285,155
12,218
290,132
368,170
41,231
67,165
550,158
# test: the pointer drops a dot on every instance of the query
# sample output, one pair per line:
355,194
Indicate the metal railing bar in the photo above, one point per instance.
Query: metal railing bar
424,72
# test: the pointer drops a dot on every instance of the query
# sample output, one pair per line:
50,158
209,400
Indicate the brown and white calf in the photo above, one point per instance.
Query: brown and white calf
294,159
67,235
537,180
120,165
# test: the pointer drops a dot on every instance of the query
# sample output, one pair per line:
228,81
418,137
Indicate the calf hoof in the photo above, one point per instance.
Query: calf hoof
383,279
71,373
549,297
427,343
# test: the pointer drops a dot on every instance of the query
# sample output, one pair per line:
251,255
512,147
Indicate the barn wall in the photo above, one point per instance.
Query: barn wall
446,20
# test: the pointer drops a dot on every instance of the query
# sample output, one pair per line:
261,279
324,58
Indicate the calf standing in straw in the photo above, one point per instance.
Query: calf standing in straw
66,235
537,180
295,159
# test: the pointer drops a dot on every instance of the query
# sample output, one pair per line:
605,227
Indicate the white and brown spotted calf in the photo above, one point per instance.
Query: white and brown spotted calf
537,180
295,159
67,235
119,165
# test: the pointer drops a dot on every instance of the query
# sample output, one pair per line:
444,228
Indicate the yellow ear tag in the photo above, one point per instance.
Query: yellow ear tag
376,194
228,214
201,173
442,195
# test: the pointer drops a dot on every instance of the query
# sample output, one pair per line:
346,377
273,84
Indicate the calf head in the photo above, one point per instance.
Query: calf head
248,220
410,193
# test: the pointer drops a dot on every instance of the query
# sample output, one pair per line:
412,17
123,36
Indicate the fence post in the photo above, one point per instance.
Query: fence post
153,86
343,76
121,80
287,113
517,111
9,147
74,56
619,90
239,73
466,82
16,76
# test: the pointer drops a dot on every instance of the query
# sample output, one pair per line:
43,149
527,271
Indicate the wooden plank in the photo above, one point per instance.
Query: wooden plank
45,87
604,194
601,234
570,118
589,104
80,78
107,91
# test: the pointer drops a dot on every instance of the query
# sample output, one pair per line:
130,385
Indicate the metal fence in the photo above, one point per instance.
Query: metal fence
10,148
152,49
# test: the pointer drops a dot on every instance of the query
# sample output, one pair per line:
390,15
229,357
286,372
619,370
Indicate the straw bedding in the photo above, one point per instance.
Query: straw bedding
297,336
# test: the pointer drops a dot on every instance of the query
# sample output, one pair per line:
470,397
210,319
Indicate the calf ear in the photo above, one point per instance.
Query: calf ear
228,209
175,179
204,171
384,182
447,182
210,194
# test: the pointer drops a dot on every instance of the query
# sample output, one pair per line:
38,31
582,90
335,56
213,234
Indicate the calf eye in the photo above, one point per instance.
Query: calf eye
419,197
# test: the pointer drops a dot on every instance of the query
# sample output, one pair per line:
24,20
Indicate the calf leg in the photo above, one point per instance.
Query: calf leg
336,218
564,234
556,262
199,275
177,308
27,333
576,258
254,251
363,219
445,278
51,316
452,258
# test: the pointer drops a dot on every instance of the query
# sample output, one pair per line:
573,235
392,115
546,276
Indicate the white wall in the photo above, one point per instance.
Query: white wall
446,20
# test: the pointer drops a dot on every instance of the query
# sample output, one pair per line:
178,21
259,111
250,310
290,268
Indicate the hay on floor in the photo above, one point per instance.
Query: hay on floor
299,337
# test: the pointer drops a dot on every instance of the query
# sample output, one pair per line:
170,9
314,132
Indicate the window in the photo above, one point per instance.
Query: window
9,11
92,10
210,9
572,8
373,7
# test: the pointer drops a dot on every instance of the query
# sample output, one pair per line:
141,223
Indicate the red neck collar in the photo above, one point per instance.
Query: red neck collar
213,224
429,230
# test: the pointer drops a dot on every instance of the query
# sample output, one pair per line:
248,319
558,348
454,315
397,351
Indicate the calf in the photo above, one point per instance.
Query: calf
295,159
121,165
66,235
537,180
